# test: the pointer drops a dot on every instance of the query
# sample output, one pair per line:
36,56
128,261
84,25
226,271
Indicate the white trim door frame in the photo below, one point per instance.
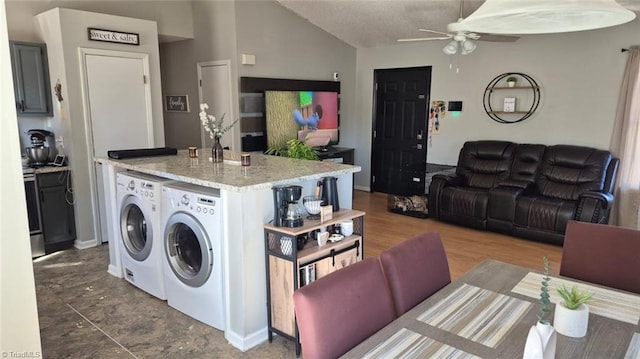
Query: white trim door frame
215,88
94,112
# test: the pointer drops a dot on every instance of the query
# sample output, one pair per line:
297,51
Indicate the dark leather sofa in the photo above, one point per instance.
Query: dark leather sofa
525,190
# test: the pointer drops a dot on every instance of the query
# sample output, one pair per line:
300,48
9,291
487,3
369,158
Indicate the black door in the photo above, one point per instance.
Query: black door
399,151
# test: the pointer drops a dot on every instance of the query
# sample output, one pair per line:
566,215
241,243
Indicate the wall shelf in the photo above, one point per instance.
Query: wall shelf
497,84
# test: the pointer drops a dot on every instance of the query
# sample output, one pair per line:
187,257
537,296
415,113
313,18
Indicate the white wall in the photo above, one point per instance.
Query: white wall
579,75
214,39
19,329
285,45
174,17
65,31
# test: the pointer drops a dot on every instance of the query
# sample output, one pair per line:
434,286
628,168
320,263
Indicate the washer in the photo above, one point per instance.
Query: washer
138,201
193,252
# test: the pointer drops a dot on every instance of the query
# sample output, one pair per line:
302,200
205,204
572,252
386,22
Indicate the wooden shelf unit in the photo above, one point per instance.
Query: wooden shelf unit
284,265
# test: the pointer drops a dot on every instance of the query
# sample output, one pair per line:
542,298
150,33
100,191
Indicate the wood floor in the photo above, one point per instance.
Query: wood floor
465,247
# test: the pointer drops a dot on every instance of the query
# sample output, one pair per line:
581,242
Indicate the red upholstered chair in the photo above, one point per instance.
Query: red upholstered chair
415,269
602,254
341,309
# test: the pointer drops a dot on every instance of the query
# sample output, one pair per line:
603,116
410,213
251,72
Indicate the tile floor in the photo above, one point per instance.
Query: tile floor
85,312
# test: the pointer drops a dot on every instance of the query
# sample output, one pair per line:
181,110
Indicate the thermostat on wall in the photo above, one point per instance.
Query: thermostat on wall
59,161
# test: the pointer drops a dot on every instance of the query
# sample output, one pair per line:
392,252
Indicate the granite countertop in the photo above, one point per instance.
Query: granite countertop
50,169
265,170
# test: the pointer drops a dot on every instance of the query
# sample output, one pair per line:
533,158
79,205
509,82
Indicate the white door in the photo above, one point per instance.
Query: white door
120,118
215,91
117,108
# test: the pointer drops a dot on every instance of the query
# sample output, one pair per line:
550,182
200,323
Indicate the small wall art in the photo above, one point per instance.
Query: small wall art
176,103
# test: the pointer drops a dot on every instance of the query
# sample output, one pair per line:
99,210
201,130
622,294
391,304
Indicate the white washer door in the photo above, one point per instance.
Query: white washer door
135,228
188,249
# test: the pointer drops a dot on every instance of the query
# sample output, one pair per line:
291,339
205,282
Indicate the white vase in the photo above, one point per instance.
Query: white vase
571,322
511,83
541,342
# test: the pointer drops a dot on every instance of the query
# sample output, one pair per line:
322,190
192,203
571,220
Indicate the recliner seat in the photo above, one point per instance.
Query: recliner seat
526,190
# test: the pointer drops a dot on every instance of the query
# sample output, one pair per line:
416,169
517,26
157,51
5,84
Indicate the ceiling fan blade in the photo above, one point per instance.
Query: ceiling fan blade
497,38
424,39
434,32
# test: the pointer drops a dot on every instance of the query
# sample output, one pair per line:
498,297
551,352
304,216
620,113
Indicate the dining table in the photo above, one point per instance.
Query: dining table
488,312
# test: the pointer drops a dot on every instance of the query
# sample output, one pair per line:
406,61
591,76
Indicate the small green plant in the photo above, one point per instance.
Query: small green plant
545,298
294,149
512,79
574,297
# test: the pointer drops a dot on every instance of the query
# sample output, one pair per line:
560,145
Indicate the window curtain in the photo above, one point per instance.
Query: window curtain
625,144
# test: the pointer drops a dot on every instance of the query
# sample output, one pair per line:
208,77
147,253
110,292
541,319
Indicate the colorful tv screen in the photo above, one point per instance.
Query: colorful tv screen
309,116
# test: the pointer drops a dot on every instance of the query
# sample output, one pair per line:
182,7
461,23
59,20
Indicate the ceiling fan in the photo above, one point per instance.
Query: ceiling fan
460,38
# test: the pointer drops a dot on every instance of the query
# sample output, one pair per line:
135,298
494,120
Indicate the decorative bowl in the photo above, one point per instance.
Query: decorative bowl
312,205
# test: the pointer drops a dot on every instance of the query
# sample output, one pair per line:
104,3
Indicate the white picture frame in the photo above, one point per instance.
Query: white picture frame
509,104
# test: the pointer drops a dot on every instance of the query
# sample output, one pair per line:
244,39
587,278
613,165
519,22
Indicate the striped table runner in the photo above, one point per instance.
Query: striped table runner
608,303
476,314
634,348
409,344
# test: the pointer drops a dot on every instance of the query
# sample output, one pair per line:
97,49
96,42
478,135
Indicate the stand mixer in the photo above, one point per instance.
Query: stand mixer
286,206
39,154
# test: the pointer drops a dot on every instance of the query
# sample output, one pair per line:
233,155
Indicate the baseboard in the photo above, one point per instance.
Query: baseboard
85,244
247,342
362,188
114,271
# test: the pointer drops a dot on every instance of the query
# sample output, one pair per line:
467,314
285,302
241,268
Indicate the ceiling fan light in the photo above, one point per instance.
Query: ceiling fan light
545,16
467,47
451,48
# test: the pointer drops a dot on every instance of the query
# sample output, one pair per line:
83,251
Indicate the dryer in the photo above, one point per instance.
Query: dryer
138,200
192,241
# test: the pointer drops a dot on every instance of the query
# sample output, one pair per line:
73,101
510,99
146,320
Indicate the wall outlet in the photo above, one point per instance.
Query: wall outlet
59,142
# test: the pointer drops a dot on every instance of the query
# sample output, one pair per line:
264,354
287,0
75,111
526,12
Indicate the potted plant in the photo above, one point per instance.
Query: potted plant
295,149
571,317
511,81
542,338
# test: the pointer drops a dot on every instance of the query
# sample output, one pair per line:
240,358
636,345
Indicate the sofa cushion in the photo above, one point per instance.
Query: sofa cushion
544,213
569,171
464,205
526,162
483,164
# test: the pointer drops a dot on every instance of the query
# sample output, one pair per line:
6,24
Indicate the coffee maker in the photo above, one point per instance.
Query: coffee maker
286,209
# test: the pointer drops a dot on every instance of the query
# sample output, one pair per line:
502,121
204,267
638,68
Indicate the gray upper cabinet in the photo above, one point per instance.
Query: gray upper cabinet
31,79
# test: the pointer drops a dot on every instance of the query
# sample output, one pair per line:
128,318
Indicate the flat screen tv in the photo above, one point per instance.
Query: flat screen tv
309,116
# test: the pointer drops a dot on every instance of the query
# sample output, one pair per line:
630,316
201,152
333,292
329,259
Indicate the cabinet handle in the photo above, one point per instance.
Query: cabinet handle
41,197
21,105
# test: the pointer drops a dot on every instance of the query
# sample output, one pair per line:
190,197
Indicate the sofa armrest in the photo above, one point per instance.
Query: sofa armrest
523,185
606,199
449,180
594,207
502,201
438,183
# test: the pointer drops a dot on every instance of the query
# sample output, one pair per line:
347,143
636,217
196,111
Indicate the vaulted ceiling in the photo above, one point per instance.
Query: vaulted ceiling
370,23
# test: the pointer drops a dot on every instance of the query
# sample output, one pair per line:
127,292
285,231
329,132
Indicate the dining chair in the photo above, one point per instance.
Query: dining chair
602,254
341,309
415,269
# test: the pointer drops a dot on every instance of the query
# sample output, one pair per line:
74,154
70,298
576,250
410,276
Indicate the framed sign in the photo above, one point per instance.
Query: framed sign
176,103
120,37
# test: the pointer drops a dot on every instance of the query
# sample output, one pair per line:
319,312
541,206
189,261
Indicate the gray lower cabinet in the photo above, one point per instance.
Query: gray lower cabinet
56,207
31,79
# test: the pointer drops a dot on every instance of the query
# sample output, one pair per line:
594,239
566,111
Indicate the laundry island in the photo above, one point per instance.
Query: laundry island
247,205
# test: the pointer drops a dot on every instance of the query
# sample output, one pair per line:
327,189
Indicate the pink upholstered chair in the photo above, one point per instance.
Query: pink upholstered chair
341,309
602,254
415,269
